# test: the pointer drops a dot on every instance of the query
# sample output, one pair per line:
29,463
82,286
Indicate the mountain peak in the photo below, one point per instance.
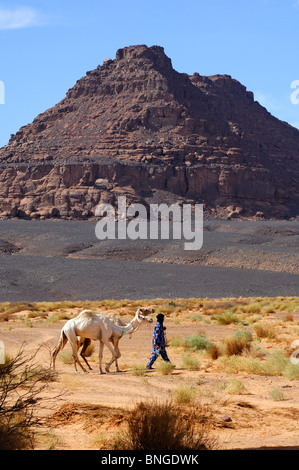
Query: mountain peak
155,54
200,138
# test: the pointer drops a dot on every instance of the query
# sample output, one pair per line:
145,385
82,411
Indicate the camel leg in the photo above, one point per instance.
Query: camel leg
116,360
76,358
59,347
86,343
72,337
115,342
111,349
101,357
115,356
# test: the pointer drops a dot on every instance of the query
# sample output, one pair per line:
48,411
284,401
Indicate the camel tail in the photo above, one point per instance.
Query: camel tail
62,342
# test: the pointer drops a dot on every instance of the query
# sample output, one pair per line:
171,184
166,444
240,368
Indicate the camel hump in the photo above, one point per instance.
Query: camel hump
86,314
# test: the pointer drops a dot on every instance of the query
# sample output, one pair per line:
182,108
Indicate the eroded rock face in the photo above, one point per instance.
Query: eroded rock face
136,127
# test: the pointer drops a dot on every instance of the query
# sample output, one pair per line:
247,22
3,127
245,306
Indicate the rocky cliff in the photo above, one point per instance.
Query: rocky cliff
136,127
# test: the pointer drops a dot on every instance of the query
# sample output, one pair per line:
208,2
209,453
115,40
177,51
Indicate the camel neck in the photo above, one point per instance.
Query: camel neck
123,330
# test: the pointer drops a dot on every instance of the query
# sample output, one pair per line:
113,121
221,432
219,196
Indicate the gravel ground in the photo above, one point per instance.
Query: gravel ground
60,260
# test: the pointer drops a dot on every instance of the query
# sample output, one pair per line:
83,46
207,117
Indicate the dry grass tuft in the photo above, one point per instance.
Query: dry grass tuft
165,426
263,330
138,370
165,368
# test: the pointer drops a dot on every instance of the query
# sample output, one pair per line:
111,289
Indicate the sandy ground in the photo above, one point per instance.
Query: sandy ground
240,421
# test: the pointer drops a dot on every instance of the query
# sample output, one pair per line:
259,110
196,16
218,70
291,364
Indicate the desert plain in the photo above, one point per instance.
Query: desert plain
243,283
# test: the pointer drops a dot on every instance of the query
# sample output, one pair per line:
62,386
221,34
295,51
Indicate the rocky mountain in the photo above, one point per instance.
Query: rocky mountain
136,127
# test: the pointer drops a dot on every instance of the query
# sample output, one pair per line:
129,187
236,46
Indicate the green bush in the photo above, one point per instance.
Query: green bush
245,335
197,342
291,371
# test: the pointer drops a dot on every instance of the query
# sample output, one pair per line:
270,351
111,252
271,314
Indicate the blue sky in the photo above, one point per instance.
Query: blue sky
47,45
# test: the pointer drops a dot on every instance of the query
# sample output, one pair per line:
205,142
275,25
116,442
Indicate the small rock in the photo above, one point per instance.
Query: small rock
226,419
102,183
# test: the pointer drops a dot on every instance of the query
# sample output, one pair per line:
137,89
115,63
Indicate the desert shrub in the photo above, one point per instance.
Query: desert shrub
253,307
268,309
197,342
276,394
235,387
291,371
164,426
234,346
183,394
166,309
165,367
189,362
63,316
234,364
15,307
226,318
238,343
245,335
257,352
53,319
263,330
178,342
36,314
289,317
138,370
214,351
16,433
276,364
196,318
21,384
67,357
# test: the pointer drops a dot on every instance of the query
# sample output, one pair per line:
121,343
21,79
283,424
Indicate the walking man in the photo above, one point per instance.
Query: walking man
158,342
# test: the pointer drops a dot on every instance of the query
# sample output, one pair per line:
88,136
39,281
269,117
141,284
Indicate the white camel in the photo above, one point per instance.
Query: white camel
95,326
85,342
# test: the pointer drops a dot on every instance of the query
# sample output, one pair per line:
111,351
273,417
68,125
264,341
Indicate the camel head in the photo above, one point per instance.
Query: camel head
143,313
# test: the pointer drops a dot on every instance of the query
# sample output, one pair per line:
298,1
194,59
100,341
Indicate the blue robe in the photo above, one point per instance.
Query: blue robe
158,344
